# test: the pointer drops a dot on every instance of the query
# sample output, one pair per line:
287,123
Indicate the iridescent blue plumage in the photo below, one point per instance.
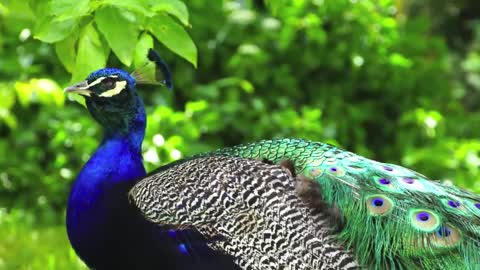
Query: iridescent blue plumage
105,230
105,72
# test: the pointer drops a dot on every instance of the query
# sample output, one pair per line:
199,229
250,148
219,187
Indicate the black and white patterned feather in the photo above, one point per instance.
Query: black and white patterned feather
248,208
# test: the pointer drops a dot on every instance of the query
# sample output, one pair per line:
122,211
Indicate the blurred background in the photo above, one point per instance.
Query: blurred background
396,81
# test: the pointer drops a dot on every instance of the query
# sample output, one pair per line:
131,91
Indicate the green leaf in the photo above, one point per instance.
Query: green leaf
144,43
50,31
174,7
7,97
140,6
66,52
173,36
39,7
77,98
91,54
119,30
275,5
68,9
397,59
44,91
8,118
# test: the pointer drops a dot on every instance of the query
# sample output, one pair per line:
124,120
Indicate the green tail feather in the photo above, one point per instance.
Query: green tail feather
395,218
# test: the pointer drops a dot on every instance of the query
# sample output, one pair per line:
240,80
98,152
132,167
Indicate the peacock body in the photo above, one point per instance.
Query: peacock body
319,208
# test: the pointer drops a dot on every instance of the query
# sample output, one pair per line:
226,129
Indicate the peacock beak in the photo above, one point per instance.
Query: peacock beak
79,88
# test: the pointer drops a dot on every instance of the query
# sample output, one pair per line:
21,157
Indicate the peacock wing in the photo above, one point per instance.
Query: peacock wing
250,210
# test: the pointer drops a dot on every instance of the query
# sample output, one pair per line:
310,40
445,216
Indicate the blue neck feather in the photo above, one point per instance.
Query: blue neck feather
99,195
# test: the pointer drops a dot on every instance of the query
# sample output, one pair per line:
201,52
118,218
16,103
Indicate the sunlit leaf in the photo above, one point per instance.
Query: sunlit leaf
66,51
77,98
7,96
397,59
49,30
8,118
144,43
91,54
44,91
119,30
174,7
174,37
68,9
275,5
144,68
140,6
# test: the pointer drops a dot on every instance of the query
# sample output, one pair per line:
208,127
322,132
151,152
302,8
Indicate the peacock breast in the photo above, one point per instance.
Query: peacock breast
98,212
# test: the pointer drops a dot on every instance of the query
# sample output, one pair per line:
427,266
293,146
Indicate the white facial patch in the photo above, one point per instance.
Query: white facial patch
119,86
100,79
97,81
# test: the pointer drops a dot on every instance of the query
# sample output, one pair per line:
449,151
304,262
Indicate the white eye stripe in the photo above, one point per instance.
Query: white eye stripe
97,81
100,79
119,86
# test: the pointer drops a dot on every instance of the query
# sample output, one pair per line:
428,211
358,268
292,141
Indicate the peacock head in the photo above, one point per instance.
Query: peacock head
112,99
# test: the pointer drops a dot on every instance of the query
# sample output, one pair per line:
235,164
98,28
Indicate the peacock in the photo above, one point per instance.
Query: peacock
104,228
114,214
273,204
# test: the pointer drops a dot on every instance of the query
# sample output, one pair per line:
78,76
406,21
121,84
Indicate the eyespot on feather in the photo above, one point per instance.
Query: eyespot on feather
445,236
454,205
387,168
314,172
473,207
336,171
477,205
384,181
409,181
316,163
388,184
424,220
378,205
412,183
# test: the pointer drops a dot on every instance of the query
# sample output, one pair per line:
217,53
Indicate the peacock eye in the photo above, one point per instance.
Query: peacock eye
109,83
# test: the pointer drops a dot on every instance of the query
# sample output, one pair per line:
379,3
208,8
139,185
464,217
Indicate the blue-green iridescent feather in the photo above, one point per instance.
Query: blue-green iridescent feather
395,218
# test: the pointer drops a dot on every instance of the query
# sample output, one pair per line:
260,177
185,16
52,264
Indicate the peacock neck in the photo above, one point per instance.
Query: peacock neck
98,198
130,130
118,158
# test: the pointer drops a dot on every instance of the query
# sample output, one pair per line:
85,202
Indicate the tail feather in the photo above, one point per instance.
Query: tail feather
396,218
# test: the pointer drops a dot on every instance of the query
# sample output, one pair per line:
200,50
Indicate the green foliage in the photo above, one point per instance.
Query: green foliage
380,78
26,246
116,28
173,36
68,22
91,53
